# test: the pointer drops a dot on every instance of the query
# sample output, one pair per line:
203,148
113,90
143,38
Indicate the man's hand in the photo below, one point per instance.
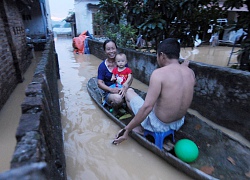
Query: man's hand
121,136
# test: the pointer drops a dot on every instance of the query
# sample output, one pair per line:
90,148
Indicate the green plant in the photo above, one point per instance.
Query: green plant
123,34
166,18
98,24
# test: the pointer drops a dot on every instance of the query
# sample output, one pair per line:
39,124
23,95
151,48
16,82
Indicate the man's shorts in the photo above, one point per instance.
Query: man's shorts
152,123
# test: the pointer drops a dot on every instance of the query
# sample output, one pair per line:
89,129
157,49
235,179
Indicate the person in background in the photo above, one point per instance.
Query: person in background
111,95
78,43
169,95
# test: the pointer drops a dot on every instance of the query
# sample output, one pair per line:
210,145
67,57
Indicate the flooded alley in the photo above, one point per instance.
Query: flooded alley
10,115
87,131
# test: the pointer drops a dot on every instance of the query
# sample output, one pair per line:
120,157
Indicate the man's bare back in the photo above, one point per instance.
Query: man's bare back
177,85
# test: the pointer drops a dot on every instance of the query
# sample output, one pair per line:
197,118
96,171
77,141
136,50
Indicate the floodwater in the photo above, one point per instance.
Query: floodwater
218,55
87,131
10,115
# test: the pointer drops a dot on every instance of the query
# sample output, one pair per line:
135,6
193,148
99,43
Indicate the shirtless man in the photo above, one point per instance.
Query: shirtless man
169,95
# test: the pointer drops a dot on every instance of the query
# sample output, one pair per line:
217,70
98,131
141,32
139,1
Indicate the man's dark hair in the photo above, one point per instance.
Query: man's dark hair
107,41
170,47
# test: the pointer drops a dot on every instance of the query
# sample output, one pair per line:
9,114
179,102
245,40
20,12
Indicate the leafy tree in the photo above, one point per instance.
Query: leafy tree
159,19
244,23
112,10
121,32
98,24
183,19
111,17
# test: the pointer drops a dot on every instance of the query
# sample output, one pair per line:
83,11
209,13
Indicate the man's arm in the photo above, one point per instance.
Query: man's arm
139,117
150,100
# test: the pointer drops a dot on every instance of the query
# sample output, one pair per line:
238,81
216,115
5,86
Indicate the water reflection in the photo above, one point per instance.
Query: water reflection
218,55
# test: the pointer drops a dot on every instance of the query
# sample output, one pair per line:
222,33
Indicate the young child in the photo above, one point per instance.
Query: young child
121,73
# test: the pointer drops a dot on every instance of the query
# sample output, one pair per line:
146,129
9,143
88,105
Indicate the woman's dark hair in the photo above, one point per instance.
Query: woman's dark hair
170,47
107,41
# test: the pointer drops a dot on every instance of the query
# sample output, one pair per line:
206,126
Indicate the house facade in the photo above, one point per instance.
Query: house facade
84,13
37,22
19,19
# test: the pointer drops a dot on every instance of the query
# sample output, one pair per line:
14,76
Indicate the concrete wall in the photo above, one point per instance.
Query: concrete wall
39,152
221,94
83,15
15,54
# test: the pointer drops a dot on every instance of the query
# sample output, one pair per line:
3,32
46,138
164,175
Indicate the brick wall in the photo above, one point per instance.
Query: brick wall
39,152
8,79
14,53
221,94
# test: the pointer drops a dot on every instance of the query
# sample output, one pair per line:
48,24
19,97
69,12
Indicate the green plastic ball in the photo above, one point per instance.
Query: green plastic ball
186,150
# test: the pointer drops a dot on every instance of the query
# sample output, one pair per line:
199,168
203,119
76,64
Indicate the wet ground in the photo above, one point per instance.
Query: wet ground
218,55
87,131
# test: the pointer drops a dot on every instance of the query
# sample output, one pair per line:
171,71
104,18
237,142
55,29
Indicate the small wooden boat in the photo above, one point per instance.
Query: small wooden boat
220,156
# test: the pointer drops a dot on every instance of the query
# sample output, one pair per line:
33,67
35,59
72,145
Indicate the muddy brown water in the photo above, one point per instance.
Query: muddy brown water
87,131
10,115
218,55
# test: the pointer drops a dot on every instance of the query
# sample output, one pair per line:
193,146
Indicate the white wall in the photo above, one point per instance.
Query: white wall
84,16
48,15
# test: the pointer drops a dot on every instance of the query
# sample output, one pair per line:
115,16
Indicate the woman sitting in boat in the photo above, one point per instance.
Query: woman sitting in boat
112,95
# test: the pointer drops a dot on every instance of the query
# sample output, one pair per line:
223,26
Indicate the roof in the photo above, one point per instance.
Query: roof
71,18
93,6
